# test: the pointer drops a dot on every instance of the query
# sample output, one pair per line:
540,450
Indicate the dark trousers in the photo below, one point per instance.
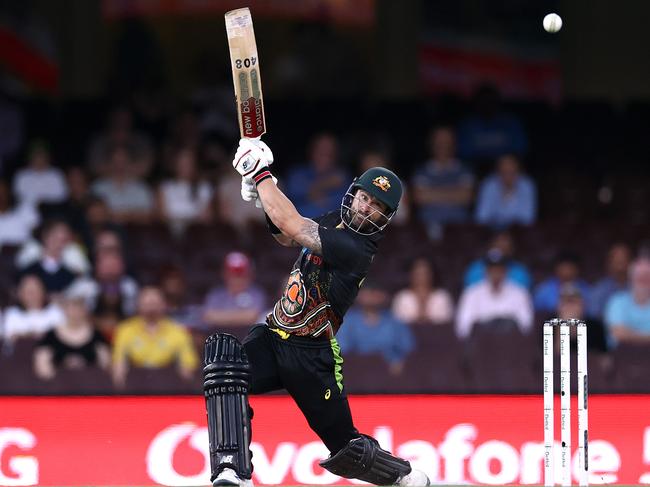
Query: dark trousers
307,368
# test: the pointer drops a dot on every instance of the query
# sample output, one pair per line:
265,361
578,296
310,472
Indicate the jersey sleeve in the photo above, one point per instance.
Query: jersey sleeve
341,250
317,219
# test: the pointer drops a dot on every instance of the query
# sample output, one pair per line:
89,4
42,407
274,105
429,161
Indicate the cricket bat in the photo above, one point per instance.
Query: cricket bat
245,73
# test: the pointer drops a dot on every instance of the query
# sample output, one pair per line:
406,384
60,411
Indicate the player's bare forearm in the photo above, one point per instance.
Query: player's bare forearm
284,215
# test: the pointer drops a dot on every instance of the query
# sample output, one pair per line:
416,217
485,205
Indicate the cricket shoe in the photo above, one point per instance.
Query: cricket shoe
229,478
417,478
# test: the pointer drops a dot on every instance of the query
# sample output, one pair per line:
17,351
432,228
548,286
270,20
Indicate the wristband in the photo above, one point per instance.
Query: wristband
272,228
261,175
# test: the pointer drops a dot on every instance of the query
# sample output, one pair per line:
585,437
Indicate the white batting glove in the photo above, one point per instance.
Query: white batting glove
249,191
265,148
251,156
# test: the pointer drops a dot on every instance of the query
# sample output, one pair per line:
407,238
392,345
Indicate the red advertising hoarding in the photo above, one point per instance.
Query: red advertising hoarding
163,441
456,69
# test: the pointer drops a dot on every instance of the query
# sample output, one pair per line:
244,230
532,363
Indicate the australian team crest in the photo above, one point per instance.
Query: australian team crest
382,183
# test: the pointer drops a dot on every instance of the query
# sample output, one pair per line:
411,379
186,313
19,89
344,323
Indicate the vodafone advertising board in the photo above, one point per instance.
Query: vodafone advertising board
164,441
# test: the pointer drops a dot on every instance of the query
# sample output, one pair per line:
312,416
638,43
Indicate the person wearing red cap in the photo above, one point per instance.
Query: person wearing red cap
239,301
296,349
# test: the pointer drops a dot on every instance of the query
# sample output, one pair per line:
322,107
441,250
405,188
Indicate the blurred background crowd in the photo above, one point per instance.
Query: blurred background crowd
124,241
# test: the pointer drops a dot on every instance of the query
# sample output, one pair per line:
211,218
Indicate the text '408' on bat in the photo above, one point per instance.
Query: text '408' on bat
245,73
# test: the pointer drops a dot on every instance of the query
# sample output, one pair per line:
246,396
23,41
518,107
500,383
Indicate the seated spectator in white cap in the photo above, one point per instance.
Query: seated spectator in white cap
239,301
494,302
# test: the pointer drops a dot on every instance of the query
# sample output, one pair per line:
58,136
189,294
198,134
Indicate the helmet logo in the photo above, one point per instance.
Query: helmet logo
382,183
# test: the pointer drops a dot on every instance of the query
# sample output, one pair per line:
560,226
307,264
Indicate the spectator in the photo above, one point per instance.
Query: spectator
74,345
318,186
494,302
627,314
490,131
179,306
120,133
107,240
442,187
372,328
379,158
39,181
572,306
58,261
186,198
507,197
421,302
618,264
152,340
129,199
110,291
516,272
16,221
567,271
33,315
239,301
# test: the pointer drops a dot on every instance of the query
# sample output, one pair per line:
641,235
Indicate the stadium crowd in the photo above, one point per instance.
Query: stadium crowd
126,262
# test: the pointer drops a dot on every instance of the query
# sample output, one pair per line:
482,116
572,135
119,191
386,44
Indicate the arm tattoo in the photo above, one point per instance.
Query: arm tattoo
309,237
286,241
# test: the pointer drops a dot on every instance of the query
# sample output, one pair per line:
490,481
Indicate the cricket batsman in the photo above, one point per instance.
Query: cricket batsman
296,348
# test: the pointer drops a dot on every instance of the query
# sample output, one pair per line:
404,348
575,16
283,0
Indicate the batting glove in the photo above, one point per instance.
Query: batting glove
249,191
265,148
251,157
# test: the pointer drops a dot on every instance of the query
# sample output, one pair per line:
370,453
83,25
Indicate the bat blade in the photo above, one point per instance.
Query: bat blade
245,65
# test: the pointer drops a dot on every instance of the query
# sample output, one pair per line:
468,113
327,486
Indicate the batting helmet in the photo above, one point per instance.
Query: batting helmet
380,183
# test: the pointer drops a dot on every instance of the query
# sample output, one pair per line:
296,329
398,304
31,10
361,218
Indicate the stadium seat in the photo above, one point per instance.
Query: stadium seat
501,361
632,364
